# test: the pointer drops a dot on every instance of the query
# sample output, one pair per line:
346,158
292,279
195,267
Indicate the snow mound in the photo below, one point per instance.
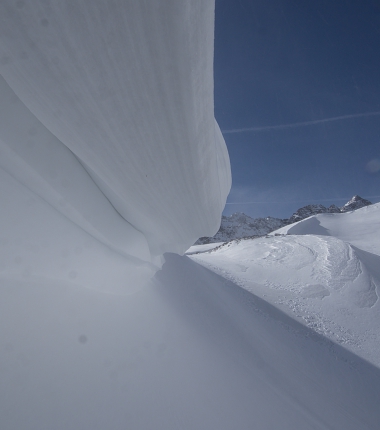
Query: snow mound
299,263
360,227
324,271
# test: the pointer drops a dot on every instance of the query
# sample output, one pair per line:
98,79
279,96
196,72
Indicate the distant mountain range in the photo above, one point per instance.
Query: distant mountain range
240,225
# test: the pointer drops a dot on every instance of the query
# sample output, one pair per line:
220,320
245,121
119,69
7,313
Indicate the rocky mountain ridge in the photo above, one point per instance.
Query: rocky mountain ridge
240,225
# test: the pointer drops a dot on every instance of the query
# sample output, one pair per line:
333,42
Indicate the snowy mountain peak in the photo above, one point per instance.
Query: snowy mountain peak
240,225
333,209
310,210
356,202
238,217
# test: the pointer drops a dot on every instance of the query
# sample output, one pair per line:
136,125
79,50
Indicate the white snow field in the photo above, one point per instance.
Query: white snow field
109,157
324,271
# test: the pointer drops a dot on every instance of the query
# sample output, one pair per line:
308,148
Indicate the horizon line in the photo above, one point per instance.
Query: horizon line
297,201
300,124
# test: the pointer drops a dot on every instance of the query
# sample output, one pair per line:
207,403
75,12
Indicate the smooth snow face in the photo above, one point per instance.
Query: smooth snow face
40,244
109,118
34,157
331,284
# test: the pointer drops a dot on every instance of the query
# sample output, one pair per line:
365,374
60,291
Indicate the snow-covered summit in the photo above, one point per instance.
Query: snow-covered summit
310,210
239,225
356,202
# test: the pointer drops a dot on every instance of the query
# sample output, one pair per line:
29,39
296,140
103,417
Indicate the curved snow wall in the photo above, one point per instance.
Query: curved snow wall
107,124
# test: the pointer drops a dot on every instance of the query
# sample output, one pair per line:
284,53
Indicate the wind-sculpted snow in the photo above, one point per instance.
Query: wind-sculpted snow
331,284
108,117
361,227
38,160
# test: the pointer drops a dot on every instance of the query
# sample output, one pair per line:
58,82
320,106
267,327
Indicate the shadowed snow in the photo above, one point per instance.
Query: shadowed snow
189,350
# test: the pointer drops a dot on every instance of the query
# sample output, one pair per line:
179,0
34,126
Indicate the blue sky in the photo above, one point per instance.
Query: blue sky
304,78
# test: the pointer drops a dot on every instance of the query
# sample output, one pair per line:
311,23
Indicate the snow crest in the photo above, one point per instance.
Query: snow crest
107,115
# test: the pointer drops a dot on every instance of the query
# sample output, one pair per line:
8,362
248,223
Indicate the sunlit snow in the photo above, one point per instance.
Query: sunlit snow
323,271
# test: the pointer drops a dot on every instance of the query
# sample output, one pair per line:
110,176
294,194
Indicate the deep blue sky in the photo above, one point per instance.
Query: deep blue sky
281,62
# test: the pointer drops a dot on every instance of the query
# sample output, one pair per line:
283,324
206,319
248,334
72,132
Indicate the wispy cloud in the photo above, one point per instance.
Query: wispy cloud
300,124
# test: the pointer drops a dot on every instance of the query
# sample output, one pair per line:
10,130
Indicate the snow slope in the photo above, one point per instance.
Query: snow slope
190,350
324,271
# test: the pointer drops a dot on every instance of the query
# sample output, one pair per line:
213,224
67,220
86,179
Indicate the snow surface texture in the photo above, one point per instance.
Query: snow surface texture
107,116
324,270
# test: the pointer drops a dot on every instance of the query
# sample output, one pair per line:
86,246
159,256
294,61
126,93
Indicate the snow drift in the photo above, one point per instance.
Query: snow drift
107,117
323,271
